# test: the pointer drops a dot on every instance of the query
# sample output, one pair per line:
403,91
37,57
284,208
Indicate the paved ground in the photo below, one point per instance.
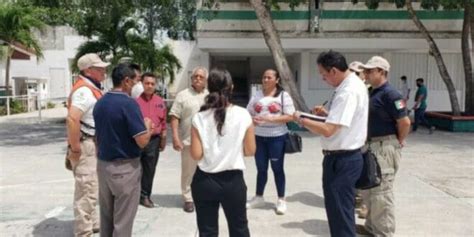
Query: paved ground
434,188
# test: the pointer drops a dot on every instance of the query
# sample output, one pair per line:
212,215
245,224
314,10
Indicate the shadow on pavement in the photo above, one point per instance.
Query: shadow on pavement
307,198
167,200
53,227
310,227
20,133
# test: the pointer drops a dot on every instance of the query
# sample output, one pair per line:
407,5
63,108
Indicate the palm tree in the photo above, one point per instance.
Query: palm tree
161,61
16,25
111,40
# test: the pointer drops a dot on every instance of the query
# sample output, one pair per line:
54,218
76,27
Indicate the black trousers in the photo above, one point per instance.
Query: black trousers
340,173
227,188
149,159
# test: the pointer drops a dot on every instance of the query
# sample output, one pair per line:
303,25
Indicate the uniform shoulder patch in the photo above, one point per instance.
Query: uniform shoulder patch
400,104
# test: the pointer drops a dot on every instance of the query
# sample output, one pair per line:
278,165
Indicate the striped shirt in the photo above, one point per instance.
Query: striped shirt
261,105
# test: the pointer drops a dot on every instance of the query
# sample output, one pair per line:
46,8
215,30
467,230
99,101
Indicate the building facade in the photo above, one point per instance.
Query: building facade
231,36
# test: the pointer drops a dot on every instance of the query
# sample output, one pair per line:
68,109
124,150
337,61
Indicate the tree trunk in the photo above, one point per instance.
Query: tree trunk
272,39
7,70
434,50
472,24
466,57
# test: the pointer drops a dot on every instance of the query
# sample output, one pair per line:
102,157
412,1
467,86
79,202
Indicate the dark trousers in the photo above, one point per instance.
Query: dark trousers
420,119
340,173
270,149
225,188
149,159
119,195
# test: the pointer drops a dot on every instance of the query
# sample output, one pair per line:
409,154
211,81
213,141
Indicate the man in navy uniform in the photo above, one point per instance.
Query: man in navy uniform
388,128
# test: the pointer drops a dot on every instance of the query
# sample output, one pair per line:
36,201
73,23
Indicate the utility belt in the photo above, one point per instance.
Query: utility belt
339,152
85,136
382,138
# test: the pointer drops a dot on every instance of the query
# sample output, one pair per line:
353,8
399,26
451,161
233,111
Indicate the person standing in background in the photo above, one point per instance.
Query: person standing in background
153,107
138,89
271,108
420,106
405,91
186,105
388,128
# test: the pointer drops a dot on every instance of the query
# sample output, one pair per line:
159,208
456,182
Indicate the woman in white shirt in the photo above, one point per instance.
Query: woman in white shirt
222,134
271,109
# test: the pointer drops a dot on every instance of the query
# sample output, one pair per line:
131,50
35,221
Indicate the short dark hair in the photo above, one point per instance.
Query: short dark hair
135,66
331,59
403,78
148,74
420,80
121,72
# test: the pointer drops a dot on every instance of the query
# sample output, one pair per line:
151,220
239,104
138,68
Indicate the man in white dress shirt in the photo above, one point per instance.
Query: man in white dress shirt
344,133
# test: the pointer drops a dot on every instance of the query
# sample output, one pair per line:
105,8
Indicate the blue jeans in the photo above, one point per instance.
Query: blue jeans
340,173
420,119
270,149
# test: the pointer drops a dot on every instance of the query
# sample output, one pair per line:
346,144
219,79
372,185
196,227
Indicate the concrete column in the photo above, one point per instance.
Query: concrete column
204,59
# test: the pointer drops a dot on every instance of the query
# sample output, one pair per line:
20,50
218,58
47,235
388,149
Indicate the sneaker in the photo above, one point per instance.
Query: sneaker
280,207
256,201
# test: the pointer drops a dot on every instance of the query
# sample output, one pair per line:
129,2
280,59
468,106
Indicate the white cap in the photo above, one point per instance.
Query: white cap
377,62
356,66
90,60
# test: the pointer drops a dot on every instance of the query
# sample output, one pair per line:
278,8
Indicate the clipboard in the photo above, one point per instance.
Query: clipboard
313,117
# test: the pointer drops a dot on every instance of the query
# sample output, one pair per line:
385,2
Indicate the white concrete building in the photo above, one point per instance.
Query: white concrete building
52,71
233,38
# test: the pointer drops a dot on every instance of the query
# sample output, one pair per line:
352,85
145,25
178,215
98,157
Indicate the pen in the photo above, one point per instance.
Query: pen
325,102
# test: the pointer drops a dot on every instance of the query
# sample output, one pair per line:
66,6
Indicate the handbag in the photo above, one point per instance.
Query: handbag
293,141
371,175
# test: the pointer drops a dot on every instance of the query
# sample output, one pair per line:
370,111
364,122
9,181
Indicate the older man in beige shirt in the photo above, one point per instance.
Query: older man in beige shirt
186,105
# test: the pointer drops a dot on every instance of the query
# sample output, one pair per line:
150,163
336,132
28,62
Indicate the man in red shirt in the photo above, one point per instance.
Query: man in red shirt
154,108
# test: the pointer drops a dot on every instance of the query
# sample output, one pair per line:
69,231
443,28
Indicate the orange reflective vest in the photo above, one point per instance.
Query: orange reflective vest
80,82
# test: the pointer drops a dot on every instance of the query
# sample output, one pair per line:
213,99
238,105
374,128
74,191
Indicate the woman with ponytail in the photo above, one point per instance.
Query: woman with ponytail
271,108
221,135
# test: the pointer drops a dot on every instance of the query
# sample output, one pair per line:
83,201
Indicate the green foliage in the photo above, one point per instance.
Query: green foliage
161,61
274,4
16,107
50,105
54,12
16,25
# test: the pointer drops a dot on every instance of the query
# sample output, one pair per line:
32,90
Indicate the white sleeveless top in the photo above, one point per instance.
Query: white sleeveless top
226,152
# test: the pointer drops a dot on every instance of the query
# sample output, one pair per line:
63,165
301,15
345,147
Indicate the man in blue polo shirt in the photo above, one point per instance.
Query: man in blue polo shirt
388,127
121,132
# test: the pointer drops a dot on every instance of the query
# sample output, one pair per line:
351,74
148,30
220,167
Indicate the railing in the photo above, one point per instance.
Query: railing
28,103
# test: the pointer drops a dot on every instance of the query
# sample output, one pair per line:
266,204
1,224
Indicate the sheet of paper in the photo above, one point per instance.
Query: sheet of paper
313,117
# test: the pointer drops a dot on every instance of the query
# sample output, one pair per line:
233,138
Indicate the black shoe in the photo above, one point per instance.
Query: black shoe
146,202
361,230
188,207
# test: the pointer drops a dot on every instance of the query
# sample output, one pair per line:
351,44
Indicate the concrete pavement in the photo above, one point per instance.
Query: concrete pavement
434,189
